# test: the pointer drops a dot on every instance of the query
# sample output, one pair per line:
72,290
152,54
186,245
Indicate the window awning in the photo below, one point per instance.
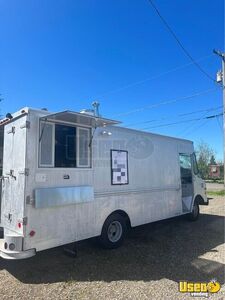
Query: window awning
79,118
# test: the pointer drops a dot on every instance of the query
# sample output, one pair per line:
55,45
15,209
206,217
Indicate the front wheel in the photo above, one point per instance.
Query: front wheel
113,232
193,216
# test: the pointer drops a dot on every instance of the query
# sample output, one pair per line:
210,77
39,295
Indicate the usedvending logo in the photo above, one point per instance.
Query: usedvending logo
199,289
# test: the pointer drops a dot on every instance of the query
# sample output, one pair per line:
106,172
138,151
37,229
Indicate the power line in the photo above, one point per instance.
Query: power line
179,115
179,42
192,126
196,128
184,121
129,85
166,102
220,126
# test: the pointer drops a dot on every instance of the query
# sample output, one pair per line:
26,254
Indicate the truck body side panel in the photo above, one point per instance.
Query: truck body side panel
153,192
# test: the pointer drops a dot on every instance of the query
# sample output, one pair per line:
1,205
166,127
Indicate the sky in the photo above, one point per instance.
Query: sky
65,54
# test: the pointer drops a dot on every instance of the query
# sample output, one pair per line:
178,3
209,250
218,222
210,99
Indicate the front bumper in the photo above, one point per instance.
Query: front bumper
205,202
14,254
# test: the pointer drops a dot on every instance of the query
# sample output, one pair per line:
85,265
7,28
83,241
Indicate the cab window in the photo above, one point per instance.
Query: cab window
185,168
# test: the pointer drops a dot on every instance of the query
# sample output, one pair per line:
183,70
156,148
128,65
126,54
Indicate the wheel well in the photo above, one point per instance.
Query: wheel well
199,199
123,214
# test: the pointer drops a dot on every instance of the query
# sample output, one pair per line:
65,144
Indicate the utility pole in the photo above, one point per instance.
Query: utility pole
221,78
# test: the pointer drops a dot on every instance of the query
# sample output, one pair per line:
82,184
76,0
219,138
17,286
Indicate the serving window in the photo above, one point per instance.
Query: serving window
64,146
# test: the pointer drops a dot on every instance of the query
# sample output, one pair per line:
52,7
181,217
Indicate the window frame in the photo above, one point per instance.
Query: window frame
195,164
53,145
78,146
52,165
191,168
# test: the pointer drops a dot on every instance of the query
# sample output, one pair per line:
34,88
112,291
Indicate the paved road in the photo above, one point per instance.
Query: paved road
153,260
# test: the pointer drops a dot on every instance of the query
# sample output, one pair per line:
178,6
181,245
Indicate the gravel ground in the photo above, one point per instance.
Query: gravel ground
153,260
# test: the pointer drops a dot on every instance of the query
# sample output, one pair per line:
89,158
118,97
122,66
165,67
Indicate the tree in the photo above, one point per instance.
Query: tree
220,163
212,160
204,154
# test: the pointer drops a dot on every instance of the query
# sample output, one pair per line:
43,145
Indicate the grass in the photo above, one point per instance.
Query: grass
220,181
216,193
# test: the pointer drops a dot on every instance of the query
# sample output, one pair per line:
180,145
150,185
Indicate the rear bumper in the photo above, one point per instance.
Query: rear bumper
17,254
6,253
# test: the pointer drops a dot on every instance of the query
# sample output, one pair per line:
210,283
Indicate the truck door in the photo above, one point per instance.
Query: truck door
13,177
186,181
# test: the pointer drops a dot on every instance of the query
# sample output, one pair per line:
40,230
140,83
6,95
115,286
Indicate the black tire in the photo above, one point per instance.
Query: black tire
113,232
1,233
194,215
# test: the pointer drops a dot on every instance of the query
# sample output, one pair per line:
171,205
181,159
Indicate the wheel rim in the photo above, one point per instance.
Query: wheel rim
115,231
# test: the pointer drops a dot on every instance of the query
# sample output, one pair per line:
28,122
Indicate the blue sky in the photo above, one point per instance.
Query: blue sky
65,54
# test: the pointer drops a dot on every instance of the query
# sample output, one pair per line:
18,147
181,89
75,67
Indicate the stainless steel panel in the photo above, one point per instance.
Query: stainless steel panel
60,196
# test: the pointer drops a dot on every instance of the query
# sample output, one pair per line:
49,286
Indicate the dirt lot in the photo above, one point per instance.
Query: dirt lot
152,261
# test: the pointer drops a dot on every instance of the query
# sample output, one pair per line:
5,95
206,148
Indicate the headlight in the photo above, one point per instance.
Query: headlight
12,246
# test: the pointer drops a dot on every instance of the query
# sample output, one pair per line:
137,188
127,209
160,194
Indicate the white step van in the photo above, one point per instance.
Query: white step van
70,176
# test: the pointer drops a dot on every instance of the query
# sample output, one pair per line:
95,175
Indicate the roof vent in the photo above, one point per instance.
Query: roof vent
92,112
96,104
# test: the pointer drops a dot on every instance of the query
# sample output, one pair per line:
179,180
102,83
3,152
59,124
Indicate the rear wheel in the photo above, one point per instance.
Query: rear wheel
113,231
193,216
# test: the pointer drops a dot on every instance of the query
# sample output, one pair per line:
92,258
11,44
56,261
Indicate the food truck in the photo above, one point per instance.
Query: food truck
69,176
